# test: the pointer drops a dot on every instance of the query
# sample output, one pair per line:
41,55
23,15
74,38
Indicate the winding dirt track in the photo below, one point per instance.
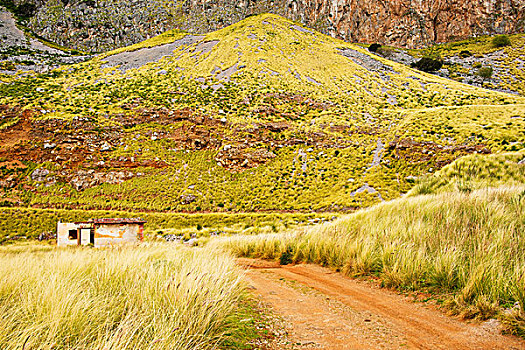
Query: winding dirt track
326,310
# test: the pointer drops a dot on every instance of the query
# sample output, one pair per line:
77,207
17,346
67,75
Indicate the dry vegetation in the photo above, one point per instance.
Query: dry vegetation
147,297
465,244
468,248
352,136
475,172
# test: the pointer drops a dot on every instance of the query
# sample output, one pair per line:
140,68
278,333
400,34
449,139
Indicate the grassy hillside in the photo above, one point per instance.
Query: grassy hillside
474,172
468,248
148,297
262,115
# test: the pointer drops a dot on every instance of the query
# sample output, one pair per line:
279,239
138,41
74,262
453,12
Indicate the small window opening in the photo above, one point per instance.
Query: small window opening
73,234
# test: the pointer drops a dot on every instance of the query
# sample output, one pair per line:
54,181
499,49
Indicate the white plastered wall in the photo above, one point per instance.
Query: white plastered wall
110,234
63,233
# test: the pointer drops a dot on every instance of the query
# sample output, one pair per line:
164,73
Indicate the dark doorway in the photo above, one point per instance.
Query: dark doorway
92,237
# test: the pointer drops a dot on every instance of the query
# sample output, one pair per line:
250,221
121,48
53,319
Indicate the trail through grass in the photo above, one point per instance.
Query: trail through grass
467,247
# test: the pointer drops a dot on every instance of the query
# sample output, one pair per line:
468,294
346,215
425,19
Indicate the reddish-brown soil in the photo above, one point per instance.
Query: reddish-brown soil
326,310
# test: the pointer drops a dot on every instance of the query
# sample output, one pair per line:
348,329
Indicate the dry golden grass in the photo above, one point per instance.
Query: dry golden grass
147,297
473,172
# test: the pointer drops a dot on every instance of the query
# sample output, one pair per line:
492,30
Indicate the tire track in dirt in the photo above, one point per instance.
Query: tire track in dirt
326,310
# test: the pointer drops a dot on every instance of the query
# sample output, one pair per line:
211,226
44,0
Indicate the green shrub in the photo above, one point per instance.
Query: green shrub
374,47
501,41
428,64
7,65
385,51
485,72
287,256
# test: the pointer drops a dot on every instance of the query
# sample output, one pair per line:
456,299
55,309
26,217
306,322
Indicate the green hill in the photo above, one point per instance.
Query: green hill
262,115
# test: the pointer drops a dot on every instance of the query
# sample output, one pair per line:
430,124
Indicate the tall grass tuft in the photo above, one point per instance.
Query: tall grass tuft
467,245
475,171
148,297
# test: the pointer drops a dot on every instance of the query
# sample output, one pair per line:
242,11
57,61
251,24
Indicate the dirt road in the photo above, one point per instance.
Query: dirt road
326,310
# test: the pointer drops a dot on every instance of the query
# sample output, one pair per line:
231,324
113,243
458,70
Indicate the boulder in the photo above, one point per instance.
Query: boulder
188,198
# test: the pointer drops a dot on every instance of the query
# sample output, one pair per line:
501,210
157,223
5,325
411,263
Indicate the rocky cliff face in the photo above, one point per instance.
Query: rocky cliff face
97,25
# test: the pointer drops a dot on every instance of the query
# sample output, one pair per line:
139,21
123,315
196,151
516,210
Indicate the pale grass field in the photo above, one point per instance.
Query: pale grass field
466,247
147,297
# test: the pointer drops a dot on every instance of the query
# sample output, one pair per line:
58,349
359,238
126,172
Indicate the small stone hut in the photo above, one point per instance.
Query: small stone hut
100,232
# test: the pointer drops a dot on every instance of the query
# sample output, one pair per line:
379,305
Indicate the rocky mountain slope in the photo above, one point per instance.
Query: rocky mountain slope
463,61
98,25
262,115
21,52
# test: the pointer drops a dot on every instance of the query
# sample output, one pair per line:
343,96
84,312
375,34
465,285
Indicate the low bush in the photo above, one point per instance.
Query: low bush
428,64
501,41
374,47
485,72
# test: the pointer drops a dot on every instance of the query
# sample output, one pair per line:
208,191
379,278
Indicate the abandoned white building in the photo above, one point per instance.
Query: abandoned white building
100,232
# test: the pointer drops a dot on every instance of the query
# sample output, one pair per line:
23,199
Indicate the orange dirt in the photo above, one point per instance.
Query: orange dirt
326,310
18,132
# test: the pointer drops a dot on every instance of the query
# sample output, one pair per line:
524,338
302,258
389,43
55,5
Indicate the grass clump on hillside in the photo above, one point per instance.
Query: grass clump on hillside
148,297
467,247
501,41
474,172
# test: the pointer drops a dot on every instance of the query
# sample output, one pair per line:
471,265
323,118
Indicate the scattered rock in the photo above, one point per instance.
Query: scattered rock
106,146
188,198
39,175
191,242
411,179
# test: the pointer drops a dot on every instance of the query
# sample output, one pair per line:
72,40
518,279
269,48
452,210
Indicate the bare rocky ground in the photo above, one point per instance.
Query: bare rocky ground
321,309
137,59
